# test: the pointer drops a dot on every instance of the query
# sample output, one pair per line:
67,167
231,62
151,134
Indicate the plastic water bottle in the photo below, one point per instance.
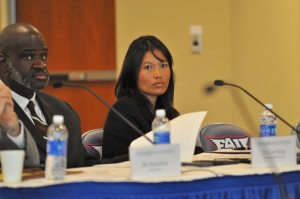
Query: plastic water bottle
56,160
161,127
268,122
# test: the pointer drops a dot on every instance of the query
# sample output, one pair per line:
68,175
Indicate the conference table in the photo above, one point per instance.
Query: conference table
240,180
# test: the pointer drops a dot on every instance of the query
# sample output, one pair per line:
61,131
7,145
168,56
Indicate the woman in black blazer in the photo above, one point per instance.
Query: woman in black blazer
146,83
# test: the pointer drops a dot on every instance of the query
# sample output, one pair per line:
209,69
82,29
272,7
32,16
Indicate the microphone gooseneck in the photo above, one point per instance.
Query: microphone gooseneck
277,176
60,84
222,83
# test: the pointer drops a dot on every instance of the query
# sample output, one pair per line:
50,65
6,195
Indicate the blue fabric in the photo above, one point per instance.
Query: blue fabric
227,187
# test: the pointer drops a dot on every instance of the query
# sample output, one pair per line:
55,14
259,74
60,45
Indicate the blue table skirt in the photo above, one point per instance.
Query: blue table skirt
227,187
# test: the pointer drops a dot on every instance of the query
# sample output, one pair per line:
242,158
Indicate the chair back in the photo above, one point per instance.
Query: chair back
221,136
297,126
92,142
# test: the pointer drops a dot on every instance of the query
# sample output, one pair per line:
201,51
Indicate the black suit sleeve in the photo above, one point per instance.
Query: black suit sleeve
117,134
77,155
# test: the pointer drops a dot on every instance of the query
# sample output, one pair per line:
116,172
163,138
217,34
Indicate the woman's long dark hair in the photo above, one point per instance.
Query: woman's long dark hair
127,81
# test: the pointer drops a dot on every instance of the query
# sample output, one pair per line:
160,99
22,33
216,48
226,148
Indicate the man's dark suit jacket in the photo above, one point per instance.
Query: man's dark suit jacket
50,105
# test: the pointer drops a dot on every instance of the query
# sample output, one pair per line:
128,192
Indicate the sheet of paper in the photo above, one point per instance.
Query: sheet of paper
184,131
223,154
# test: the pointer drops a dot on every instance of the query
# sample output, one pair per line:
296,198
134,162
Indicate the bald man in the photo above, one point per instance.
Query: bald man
24,69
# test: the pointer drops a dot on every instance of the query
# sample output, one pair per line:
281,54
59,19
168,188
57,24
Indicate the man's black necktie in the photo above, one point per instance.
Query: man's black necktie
42,126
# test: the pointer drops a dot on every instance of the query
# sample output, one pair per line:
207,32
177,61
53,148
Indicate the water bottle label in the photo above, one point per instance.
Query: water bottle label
162,137
267,130
57,147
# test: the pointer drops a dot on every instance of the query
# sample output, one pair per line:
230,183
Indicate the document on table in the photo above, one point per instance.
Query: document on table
184,131
224,154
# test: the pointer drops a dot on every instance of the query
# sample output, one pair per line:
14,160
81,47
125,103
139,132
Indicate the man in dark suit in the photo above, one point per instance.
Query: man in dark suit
24,69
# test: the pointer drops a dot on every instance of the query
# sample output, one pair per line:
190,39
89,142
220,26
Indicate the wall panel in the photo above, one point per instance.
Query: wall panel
81,37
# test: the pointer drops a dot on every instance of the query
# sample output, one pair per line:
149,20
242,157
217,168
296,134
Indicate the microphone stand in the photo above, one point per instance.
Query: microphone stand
61,84
221,83
277,176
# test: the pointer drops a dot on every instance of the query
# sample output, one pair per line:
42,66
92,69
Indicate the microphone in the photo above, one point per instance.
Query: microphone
277,176
60,84
222,83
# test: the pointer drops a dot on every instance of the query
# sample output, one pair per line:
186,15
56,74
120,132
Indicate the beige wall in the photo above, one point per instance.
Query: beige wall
5,12
266,56
251,43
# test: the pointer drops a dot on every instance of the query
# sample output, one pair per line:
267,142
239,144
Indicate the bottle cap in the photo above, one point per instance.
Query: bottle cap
58,119
160,113
270,106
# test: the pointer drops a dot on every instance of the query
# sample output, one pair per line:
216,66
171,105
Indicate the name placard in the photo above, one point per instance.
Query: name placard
273,151
155,161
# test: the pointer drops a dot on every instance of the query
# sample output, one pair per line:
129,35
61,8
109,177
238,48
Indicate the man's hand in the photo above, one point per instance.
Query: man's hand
8,118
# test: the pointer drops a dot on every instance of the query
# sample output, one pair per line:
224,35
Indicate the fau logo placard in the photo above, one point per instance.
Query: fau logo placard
230,142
